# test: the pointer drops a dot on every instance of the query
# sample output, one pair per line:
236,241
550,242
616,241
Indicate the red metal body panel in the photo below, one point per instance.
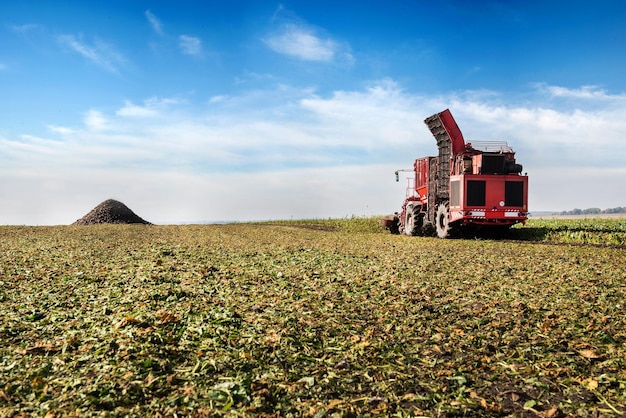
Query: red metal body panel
456,137
489,203
422,169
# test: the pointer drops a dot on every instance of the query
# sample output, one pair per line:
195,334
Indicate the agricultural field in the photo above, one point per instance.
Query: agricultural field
312,318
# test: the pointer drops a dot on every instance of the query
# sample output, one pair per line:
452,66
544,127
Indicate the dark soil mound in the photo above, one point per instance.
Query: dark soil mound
111,212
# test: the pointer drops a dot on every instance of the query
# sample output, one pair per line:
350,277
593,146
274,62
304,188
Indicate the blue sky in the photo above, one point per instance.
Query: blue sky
195,111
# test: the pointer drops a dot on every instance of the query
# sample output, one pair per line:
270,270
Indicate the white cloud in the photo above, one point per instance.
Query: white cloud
576,186
24,28
36,145
295,154
154,22
94,120
303,43
217,99
171,196
584,92
100,53
160,102
190,45
557,137
63,130
132,110
152,107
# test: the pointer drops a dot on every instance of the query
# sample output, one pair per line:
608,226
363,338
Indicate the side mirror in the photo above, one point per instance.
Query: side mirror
397,176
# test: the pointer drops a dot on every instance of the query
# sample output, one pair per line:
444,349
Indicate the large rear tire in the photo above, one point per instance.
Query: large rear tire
442,220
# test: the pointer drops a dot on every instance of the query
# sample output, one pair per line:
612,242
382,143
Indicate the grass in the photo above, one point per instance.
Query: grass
312,318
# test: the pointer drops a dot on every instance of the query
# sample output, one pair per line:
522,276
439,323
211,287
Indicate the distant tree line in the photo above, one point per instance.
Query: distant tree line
593,211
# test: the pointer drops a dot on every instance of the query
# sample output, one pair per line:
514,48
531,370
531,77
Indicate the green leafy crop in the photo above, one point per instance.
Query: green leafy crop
311,318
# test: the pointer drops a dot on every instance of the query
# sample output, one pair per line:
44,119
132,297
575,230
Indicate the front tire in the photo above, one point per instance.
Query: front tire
442,221
414,221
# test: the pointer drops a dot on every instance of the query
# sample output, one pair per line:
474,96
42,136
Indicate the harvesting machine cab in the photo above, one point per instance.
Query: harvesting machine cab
466,185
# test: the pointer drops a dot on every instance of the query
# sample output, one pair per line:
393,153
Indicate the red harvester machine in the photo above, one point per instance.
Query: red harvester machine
467,185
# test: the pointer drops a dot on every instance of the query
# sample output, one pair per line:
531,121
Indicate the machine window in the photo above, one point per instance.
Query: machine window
475,193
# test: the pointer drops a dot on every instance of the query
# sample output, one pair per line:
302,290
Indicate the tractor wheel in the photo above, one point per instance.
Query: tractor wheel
413,222
442,221
395,227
